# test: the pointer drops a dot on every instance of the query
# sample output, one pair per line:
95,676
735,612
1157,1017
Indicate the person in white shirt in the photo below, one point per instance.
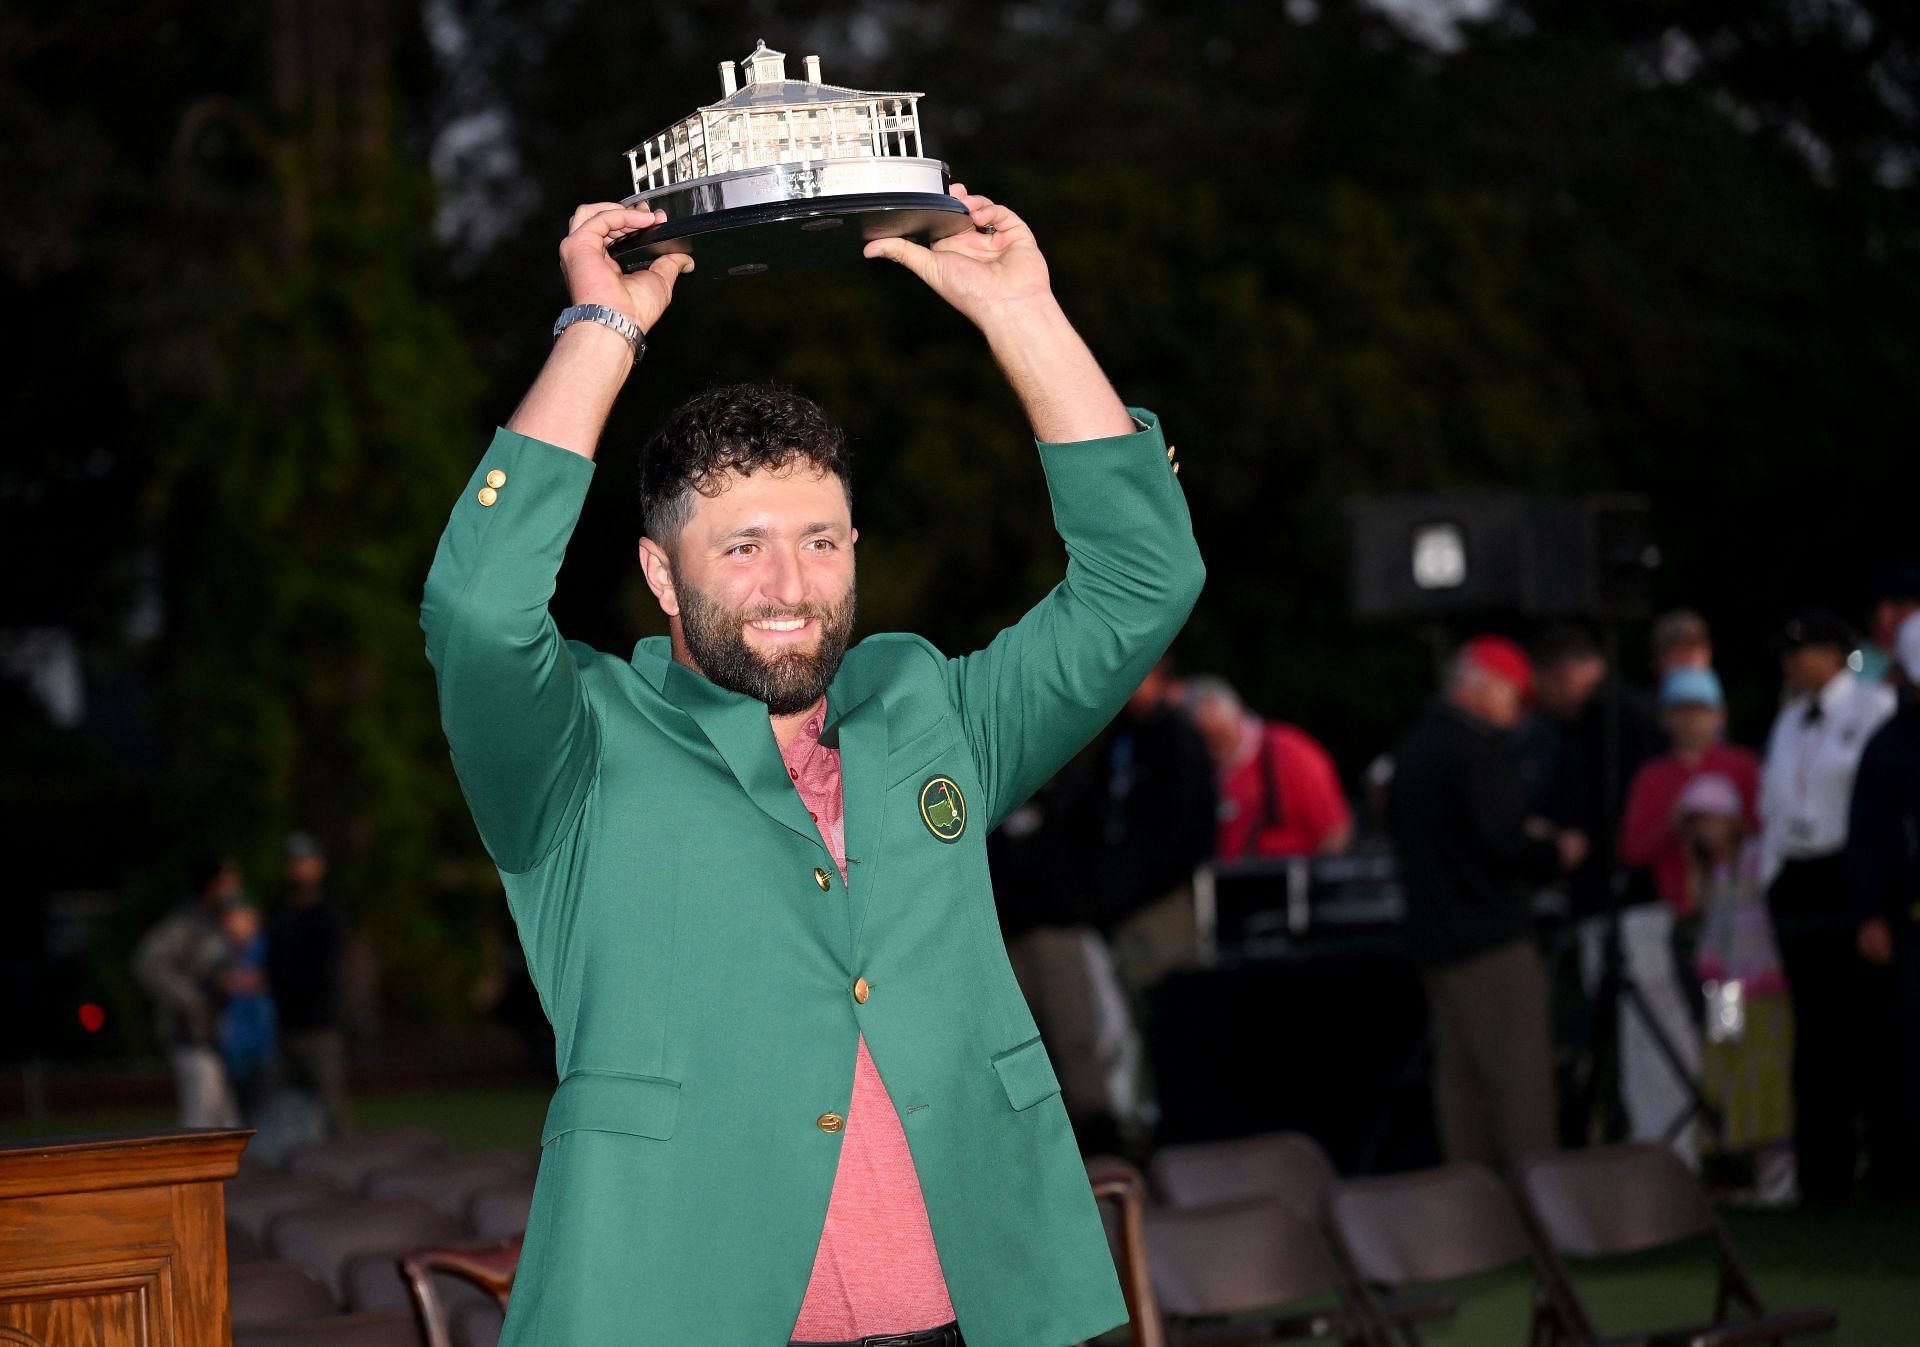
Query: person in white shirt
1806,788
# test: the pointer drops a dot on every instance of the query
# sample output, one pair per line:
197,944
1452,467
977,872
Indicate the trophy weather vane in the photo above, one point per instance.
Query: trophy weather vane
787,172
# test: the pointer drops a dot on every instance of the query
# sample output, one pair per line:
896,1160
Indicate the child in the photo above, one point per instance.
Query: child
248,1027
1746,1059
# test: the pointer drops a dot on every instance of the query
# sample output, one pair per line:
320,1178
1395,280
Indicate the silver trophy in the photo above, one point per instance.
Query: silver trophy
785,173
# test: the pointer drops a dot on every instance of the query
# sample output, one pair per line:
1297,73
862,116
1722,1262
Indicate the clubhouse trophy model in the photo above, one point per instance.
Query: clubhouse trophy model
784,173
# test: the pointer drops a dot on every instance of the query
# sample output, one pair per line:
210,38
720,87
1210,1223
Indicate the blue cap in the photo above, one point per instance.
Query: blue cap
1692,687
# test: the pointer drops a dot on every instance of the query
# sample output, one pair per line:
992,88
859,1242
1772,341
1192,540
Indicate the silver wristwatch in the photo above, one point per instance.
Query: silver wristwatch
613,318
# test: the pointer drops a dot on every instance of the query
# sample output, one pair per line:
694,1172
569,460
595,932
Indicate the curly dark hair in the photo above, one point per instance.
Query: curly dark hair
744,428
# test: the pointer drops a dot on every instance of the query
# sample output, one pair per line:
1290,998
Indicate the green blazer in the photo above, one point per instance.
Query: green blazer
695,948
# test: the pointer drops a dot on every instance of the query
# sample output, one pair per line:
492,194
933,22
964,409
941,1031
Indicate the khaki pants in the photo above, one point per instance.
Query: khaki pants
1493,1058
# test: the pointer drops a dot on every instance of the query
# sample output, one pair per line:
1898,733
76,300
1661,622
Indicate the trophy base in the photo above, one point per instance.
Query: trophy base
788,235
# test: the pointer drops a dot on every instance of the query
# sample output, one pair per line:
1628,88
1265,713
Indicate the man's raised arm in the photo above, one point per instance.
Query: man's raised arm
523,740
1046,685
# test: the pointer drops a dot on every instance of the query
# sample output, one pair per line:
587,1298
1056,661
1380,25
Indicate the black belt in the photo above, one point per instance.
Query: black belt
947,1335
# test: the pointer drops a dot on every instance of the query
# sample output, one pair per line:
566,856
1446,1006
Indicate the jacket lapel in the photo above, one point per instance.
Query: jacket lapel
738,728
860,733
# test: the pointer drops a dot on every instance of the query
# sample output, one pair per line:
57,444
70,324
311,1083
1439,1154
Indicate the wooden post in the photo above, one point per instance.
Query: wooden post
117,1241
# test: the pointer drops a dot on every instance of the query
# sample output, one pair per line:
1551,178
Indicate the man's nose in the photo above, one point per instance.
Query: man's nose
783,582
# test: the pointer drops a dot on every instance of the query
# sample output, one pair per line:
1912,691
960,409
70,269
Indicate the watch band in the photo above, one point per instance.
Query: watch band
613,318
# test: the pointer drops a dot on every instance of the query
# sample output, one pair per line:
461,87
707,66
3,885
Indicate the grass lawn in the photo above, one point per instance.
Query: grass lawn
1863,1262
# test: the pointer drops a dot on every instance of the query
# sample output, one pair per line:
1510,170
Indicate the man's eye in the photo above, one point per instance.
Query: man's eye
743,549
822,544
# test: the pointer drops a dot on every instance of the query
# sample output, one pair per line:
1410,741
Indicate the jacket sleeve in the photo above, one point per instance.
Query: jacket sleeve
524,740
1046,685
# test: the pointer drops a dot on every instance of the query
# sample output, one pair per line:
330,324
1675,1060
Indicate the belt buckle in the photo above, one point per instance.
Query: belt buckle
892,1340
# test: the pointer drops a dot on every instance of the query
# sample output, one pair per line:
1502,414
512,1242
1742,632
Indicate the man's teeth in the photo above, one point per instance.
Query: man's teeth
782,624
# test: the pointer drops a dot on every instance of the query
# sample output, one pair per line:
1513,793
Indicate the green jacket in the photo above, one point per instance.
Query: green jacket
695,948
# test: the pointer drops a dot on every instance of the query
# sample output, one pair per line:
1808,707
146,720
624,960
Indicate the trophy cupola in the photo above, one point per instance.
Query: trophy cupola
765,65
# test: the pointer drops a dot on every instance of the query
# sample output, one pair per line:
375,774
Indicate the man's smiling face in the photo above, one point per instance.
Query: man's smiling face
759,584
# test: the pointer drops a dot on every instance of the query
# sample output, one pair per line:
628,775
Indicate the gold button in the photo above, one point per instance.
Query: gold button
488,495
824,880
496,479
831,1122
861,991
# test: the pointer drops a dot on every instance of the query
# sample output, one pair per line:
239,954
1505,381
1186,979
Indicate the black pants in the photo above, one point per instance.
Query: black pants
1846,1056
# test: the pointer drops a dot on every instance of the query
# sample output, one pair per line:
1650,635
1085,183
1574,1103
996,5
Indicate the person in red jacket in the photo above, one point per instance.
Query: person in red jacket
1693,710
1279,792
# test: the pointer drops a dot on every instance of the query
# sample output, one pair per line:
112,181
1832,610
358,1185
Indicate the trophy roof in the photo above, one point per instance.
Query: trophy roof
787,93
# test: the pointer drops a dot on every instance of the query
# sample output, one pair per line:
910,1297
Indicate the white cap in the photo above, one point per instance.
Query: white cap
1907,646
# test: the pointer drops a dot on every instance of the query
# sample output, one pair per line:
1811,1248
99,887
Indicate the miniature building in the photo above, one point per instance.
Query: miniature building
770,121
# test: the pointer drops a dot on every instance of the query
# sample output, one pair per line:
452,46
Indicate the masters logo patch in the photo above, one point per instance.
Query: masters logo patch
943,808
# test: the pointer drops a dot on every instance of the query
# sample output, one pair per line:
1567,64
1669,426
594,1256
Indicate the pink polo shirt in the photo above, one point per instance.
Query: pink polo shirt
876,1270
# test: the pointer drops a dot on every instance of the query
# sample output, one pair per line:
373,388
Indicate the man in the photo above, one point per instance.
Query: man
1806,788
182,963
800,1097
1883,874
306,954
1467,853
1279,792
1653,934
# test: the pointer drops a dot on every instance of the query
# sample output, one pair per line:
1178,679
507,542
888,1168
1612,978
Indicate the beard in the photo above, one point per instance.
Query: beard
788,682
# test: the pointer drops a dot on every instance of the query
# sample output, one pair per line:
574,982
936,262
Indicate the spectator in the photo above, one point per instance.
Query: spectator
179,962
1749,1028
1680,640
1598,732
248,1029
1279,792
1883,865
1693,713
1466,851
1806,787
306,950
1893,597
1150,826
1657,938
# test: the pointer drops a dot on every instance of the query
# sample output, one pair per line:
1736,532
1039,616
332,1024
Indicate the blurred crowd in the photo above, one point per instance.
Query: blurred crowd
1625,924
251,1009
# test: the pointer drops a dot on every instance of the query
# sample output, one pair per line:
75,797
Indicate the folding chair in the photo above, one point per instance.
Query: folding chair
487,1264
1611,1201
1434,1226
1285,1165
1213,1267
1122,1195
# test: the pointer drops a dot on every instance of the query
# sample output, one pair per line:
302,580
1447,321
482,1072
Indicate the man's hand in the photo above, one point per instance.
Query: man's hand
987,272
996,277
1876,941
593,277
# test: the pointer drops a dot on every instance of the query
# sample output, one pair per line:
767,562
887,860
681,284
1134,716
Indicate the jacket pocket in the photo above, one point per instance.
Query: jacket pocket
613,1101
1026,1074
921,754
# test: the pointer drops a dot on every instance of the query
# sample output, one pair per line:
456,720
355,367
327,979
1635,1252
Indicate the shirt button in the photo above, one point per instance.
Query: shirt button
821,878
831,1122
861,991
496,479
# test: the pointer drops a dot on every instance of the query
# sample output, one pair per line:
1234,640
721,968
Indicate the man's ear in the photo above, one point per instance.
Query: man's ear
659,572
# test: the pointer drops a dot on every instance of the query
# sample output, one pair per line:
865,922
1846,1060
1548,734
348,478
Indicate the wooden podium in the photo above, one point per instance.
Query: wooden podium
116,1241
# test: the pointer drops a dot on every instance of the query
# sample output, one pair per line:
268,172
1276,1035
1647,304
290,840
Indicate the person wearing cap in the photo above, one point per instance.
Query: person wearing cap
306,968
1680,639
1652,935
1806,788
1883,875
1468,855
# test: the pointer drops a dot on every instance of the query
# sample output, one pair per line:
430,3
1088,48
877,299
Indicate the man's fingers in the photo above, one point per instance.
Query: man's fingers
582,214
906,252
